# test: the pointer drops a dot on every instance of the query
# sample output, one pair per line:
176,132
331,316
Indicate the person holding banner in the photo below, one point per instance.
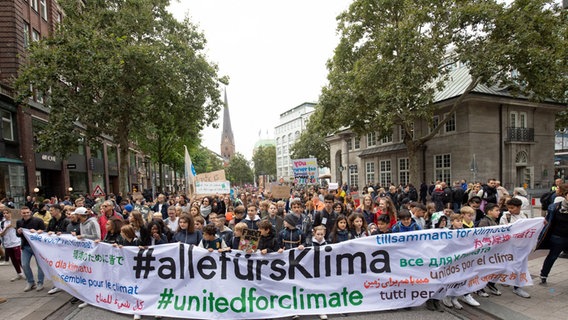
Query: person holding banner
33,224
186,232
554,236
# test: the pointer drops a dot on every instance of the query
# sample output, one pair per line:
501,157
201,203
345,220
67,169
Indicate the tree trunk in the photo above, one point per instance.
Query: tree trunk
124,158
414,162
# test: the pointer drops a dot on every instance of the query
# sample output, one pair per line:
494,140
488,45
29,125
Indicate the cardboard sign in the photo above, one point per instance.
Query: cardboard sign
214,176
249,240
281,192
209,188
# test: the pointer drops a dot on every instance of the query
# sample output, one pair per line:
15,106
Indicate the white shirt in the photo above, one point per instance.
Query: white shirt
10,239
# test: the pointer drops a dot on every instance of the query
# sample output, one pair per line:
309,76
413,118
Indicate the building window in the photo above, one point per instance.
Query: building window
43,11
357,143
38,178
385,173
387,139
7,126
451,124
35,35
435,122
26,34
353,175
442,167
370,172
518,119
371,139
403,171
349,145
34,4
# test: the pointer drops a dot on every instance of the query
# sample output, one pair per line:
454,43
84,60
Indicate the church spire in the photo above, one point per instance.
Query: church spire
227,140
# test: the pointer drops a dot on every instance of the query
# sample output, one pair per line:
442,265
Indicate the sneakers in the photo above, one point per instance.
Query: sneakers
18,277
29,287
521,293
492,289
323,316
434,305
137,317
482,293
468,298
456,303
83,305
39,287
542,280
5,263
447,301
53,290
74,300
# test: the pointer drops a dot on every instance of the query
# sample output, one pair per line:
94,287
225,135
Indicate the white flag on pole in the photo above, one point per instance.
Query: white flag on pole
189,172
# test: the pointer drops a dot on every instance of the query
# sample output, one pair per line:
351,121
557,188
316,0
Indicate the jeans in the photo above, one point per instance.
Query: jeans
27,254
557,245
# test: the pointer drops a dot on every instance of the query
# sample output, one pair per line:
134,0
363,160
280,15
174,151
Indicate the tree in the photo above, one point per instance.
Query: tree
312,140
204,160
392,58
124,69
239,171
264,160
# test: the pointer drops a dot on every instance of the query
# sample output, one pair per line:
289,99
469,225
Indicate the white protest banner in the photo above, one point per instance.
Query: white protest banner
381,272
217,187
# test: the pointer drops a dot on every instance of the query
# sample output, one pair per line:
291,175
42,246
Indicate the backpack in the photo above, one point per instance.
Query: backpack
546,199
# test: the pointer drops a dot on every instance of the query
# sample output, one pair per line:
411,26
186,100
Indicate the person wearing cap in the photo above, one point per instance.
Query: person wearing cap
33,224
290,237
90,228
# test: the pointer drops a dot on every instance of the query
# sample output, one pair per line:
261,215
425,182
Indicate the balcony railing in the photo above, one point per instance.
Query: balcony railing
520,134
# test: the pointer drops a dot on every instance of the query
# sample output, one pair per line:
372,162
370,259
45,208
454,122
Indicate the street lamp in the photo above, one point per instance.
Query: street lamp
36,190
70,189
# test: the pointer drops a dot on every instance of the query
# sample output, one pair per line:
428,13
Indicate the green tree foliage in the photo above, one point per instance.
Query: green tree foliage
312,140
127,70
390,60
239,170
264,160
204,160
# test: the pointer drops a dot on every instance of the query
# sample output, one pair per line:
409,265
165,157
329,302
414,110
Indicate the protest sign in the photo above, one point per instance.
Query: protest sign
382,272
305,170
216,187
280,192
213,176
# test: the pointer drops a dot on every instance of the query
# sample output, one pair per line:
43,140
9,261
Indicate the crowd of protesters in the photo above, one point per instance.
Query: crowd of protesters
311,216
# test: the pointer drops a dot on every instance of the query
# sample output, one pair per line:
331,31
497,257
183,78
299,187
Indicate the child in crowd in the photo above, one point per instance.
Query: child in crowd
418,211
405,223
357,225
237,217
252,217
157,235
467,213
290,237
372,228
237,234
199,222
339,233
129,238
513,214
383,223
210,240
318,238
222,230
456,222
492,213
268,241
187,231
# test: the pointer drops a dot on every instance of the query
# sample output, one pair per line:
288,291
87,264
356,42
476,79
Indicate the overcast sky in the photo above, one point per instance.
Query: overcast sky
274,52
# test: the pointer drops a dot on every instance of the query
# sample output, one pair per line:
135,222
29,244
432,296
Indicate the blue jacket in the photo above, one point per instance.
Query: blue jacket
399,227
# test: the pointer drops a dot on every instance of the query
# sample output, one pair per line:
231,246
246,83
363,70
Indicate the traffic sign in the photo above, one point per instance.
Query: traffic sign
98,192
